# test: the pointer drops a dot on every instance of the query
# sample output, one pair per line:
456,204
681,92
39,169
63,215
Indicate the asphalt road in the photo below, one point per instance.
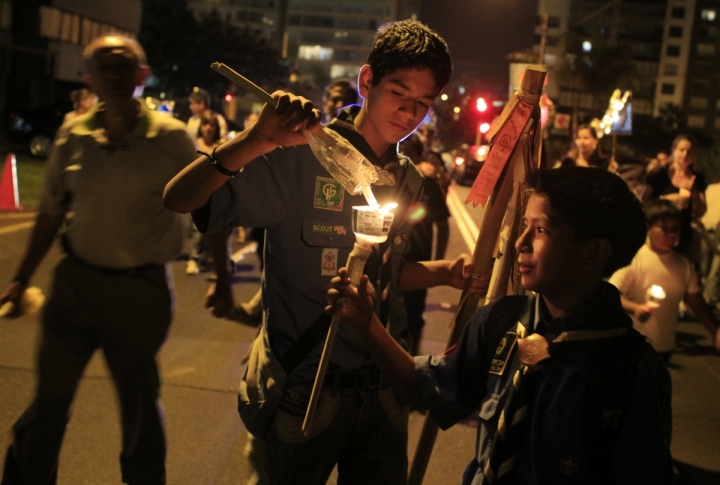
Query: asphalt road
201,366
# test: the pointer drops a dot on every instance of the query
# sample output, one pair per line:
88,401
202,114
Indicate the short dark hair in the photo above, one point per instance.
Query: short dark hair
596,204
199,95
350,93
657,209
409,44
210,118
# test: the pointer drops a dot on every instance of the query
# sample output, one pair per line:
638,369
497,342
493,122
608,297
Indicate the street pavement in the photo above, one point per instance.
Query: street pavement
201,366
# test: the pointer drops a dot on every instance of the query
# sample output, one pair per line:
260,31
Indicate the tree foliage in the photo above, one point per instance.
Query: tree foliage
180,49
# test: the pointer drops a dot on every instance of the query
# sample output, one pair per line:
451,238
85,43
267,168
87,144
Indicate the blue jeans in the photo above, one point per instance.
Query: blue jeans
364,432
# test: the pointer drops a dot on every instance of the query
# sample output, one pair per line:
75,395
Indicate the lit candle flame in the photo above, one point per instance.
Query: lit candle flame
388,207
657,292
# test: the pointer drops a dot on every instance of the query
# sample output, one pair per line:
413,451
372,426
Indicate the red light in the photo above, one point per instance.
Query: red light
228,98
459,161
481,105
484,127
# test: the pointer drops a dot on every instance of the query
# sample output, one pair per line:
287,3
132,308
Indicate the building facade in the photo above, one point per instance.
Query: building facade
638,25
326,39
41,43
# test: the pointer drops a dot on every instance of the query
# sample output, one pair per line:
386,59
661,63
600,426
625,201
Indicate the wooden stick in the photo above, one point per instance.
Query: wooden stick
482,262
244,82
355,266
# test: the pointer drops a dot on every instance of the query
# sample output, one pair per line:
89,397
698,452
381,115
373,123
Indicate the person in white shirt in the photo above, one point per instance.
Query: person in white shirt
656,264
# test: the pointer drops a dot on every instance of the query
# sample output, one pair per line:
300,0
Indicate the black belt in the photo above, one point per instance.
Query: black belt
134,271
359,382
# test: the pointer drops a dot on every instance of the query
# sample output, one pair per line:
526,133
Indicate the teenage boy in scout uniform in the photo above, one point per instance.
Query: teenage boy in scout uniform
565,389
361,427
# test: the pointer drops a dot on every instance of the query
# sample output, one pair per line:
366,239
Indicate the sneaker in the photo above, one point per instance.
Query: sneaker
192,267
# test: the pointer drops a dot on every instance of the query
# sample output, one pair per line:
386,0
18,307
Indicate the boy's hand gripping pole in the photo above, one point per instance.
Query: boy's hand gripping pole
355,266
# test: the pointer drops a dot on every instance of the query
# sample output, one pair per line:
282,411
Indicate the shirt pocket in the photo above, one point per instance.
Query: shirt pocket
326,247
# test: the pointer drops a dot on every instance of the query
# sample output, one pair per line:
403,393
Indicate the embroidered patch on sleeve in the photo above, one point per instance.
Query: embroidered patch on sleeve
502,353
329,264
329,194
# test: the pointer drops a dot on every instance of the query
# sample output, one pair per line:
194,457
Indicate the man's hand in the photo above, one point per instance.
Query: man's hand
283,124
642,312
460,271
356,308
219,300
13,294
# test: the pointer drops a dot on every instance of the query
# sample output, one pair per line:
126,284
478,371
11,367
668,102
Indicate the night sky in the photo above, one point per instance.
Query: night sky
481,33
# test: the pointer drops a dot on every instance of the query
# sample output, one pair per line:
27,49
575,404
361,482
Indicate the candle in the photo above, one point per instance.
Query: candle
654,296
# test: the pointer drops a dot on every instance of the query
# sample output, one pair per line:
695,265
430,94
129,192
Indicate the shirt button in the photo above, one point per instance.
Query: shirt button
398,239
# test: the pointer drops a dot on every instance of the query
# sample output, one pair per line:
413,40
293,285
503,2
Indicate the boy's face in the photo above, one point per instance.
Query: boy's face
397,104
196,108
337,97
549,258
664,235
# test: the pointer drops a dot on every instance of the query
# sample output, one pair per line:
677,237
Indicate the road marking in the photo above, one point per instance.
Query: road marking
17,215
16,227
468,229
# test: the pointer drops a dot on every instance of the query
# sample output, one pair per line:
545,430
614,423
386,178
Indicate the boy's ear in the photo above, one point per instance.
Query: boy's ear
365,80
596,254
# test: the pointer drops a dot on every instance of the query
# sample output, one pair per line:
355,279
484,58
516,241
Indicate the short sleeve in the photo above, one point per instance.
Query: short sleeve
622,279
255,197
692,280
453,384
55,200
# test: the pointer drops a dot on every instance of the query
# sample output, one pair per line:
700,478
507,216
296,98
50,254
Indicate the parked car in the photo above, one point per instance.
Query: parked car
36,128
466,163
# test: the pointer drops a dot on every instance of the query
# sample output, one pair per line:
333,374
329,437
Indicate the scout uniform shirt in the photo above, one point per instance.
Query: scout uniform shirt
560,442
307,215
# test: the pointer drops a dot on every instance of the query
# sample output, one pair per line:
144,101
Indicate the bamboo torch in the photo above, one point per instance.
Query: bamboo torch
496,183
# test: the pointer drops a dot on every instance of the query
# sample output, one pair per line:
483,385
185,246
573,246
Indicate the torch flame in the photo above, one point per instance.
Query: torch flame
657,292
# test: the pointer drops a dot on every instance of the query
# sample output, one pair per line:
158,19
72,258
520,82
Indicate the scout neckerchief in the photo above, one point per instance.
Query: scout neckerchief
531,348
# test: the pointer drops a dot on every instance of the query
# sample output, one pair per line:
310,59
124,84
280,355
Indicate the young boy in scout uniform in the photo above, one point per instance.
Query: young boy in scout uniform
361,426
565,389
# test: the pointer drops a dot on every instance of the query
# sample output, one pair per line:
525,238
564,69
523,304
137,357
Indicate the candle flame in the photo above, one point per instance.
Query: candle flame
388,207
657,292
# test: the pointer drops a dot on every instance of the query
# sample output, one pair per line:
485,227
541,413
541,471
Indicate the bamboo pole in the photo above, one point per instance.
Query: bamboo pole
482,258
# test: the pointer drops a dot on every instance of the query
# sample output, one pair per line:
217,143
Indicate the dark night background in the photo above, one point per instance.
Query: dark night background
481,33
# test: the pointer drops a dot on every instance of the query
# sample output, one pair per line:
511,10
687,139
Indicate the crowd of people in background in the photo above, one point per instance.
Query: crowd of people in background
112,289
682,252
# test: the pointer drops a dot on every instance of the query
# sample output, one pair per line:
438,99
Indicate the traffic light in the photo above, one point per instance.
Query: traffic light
481,105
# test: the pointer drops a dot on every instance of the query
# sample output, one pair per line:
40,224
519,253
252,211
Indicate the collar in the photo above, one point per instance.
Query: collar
89,125
599,313
344,124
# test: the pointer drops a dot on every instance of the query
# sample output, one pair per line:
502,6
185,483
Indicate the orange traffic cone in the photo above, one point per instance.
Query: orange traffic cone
9,198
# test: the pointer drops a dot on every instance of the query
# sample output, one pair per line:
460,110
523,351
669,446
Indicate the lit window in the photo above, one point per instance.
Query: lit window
708,15
315,53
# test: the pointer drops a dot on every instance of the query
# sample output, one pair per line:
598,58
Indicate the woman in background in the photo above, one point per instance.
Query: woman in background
585,152
679,183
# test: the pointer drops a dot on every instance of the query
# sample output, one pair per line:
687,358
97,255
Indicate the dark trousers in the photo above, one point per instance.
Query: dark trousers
125,315
363,432
415,307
